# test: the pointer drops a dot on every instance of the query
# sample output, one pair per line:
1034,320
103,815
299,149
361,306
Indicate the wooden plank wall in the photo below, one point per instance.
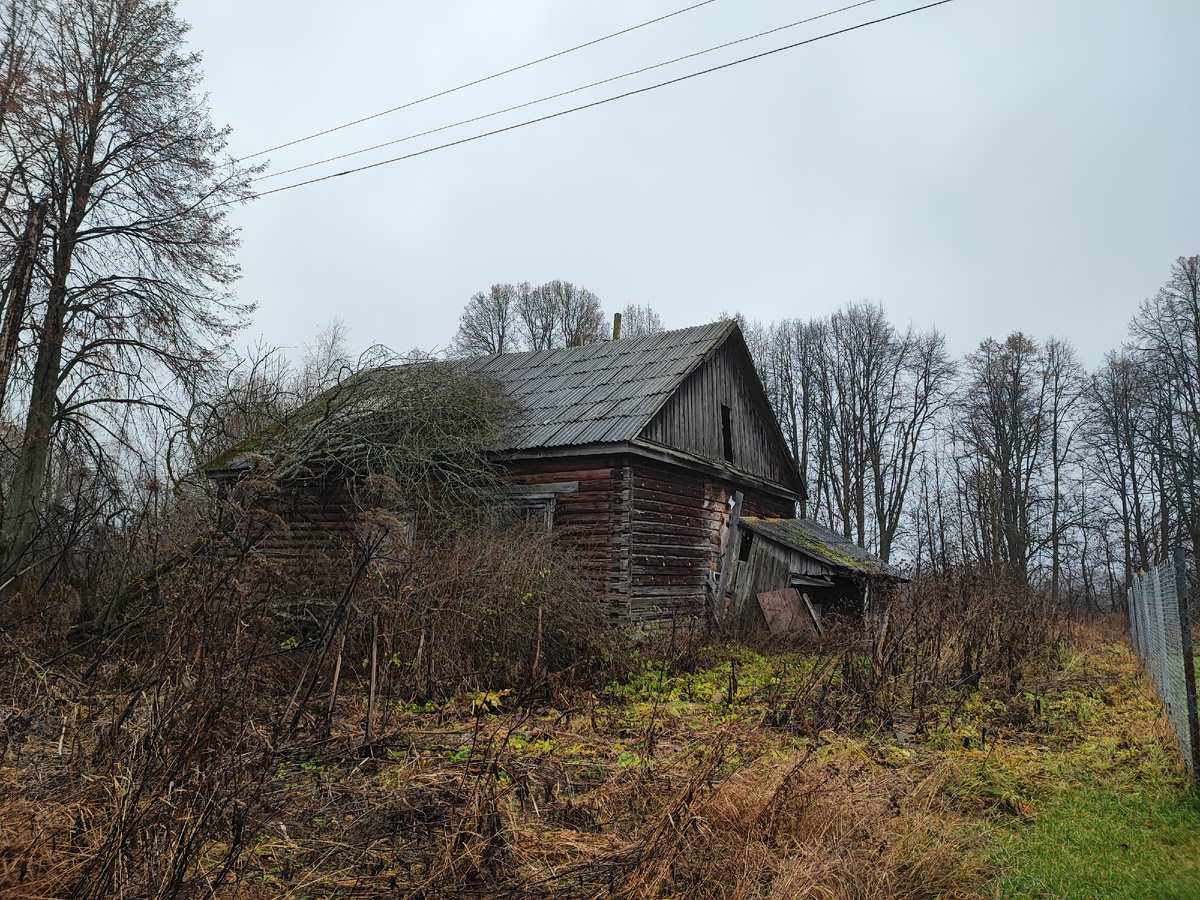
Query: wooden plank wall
678,518
590,520
763,571
691,420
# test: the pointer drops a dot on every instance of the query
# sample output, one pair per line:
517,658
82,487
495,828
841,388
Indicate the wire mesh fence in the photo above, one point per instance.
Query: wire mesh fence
1160,625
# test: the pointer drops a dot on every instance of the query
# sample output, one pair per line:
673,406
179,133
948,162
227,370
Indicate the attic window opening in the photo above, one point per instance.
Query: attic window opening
727,433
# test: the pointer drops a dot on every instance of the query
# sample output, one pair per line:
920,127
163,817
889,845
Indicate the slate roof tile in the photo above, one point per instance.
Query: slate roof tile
597,393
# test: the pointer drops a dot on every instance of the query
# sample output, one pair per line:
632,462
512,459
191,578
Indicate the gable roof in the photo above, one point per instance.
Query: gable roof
822,544
595,394
598,393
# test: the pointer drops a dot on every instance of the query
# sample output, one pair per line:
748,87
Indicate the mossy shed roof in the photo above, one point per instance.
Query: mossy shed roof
823,544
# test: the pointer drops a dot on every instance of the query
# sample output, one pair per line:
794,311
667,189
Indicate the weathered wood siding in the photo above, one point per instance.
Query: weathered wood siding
296,523
677,524
650,536
680,527
762,572
691,420
593,521
764,505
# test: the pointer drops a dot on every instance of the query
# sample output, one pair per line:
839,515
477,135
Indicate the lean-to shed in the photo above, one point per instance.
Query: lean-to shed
794,571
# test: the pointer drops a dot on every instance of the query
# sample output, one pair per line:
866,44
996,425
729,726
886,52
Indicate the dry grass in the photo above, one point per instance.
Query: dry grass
810,782
515,805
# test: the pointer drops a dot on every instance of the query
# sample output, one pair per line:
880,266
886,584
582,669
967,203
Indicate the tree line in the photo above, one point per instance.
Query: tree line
1014,461
510,318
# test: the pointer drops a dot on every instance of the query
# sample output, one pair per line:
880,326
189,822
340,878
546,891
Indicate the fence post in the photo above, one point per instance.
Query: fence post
1189,662
1133,621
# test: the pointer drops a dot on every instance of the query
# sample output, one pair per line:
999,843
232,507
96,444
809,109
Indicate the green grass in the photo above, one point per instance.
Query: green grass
1105,809
1091,843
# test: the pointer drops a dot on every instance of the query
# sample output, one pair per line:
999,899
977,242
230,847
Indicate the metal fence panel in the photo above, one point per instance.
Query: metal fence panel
1160,626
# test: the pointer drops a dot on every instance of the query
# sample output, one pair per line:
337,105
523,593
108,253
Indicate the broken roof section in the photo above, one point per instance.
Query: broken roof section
822,544
602,393
597,393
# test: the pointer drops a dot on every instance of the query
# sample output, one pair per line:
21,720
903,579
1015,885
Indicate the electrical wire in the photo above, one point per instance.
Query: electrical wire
468,84
575,90
603,101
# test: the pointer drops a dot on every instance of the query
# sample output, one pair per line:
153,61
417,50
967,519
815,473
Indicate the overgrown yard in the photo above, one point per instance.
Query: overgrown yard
720,773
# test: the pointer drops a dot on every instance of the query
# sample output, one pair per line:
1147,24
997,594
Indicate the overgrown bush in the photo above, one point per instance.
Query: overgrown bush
233,666
933,645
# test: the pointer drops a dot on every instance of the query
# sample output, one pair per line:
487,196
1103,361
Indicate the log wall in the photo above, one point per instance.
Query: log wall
650,536
680,527
592,520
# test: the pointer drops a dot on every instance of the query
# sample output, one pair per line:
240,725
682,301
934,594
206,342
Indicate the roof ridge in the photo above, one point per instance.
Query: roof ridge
716,341
596,393
724,325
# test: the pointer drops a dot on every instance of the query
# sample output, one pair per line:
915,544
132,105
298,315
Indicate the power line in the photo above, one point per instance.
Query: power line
602,102
468,84
575,90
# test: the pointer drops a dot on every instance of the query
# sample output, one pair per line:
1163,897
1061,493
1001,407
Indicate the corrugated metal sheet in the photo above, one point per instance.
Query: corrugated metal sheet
598,393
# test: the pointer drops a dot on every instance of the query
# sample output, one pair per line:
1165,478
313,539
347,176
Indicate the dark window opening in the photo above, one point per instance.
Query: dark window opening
727,433
538,513
747,543
535,512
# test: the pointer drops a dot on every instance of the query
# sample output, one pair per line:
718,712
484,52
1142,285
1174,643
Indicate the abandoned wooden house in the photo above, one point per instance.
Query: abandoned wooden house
643,454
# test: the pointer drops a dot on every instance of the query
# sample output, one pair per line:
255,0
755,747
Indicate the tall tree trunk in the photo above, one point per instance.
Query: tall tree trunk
19,288
29,478
21,508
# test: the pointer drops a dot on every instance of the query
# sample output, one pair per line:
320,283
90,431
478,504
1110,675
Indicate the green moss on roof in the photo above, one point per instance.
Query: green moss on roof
821,543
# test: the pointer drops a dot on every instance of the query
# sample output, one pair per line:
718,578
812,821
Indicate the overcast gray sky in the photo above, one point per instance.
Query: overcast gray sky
983,167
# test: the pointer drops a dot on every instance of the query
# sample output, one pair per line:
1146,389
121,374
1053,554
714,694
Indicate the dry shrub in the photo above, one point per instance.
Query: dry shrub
149,785
153,758
495,609
936,644
820,828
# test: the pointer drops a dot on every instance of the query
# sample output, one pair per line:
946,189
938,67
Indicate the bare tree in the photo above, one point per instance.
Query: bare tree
556,314
537,317
19,254
18,22
638,320
857,400
1167,329
786,354
326,362
135,292
1118,406
1004,428
580,319
1064,378
915,392
488,323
